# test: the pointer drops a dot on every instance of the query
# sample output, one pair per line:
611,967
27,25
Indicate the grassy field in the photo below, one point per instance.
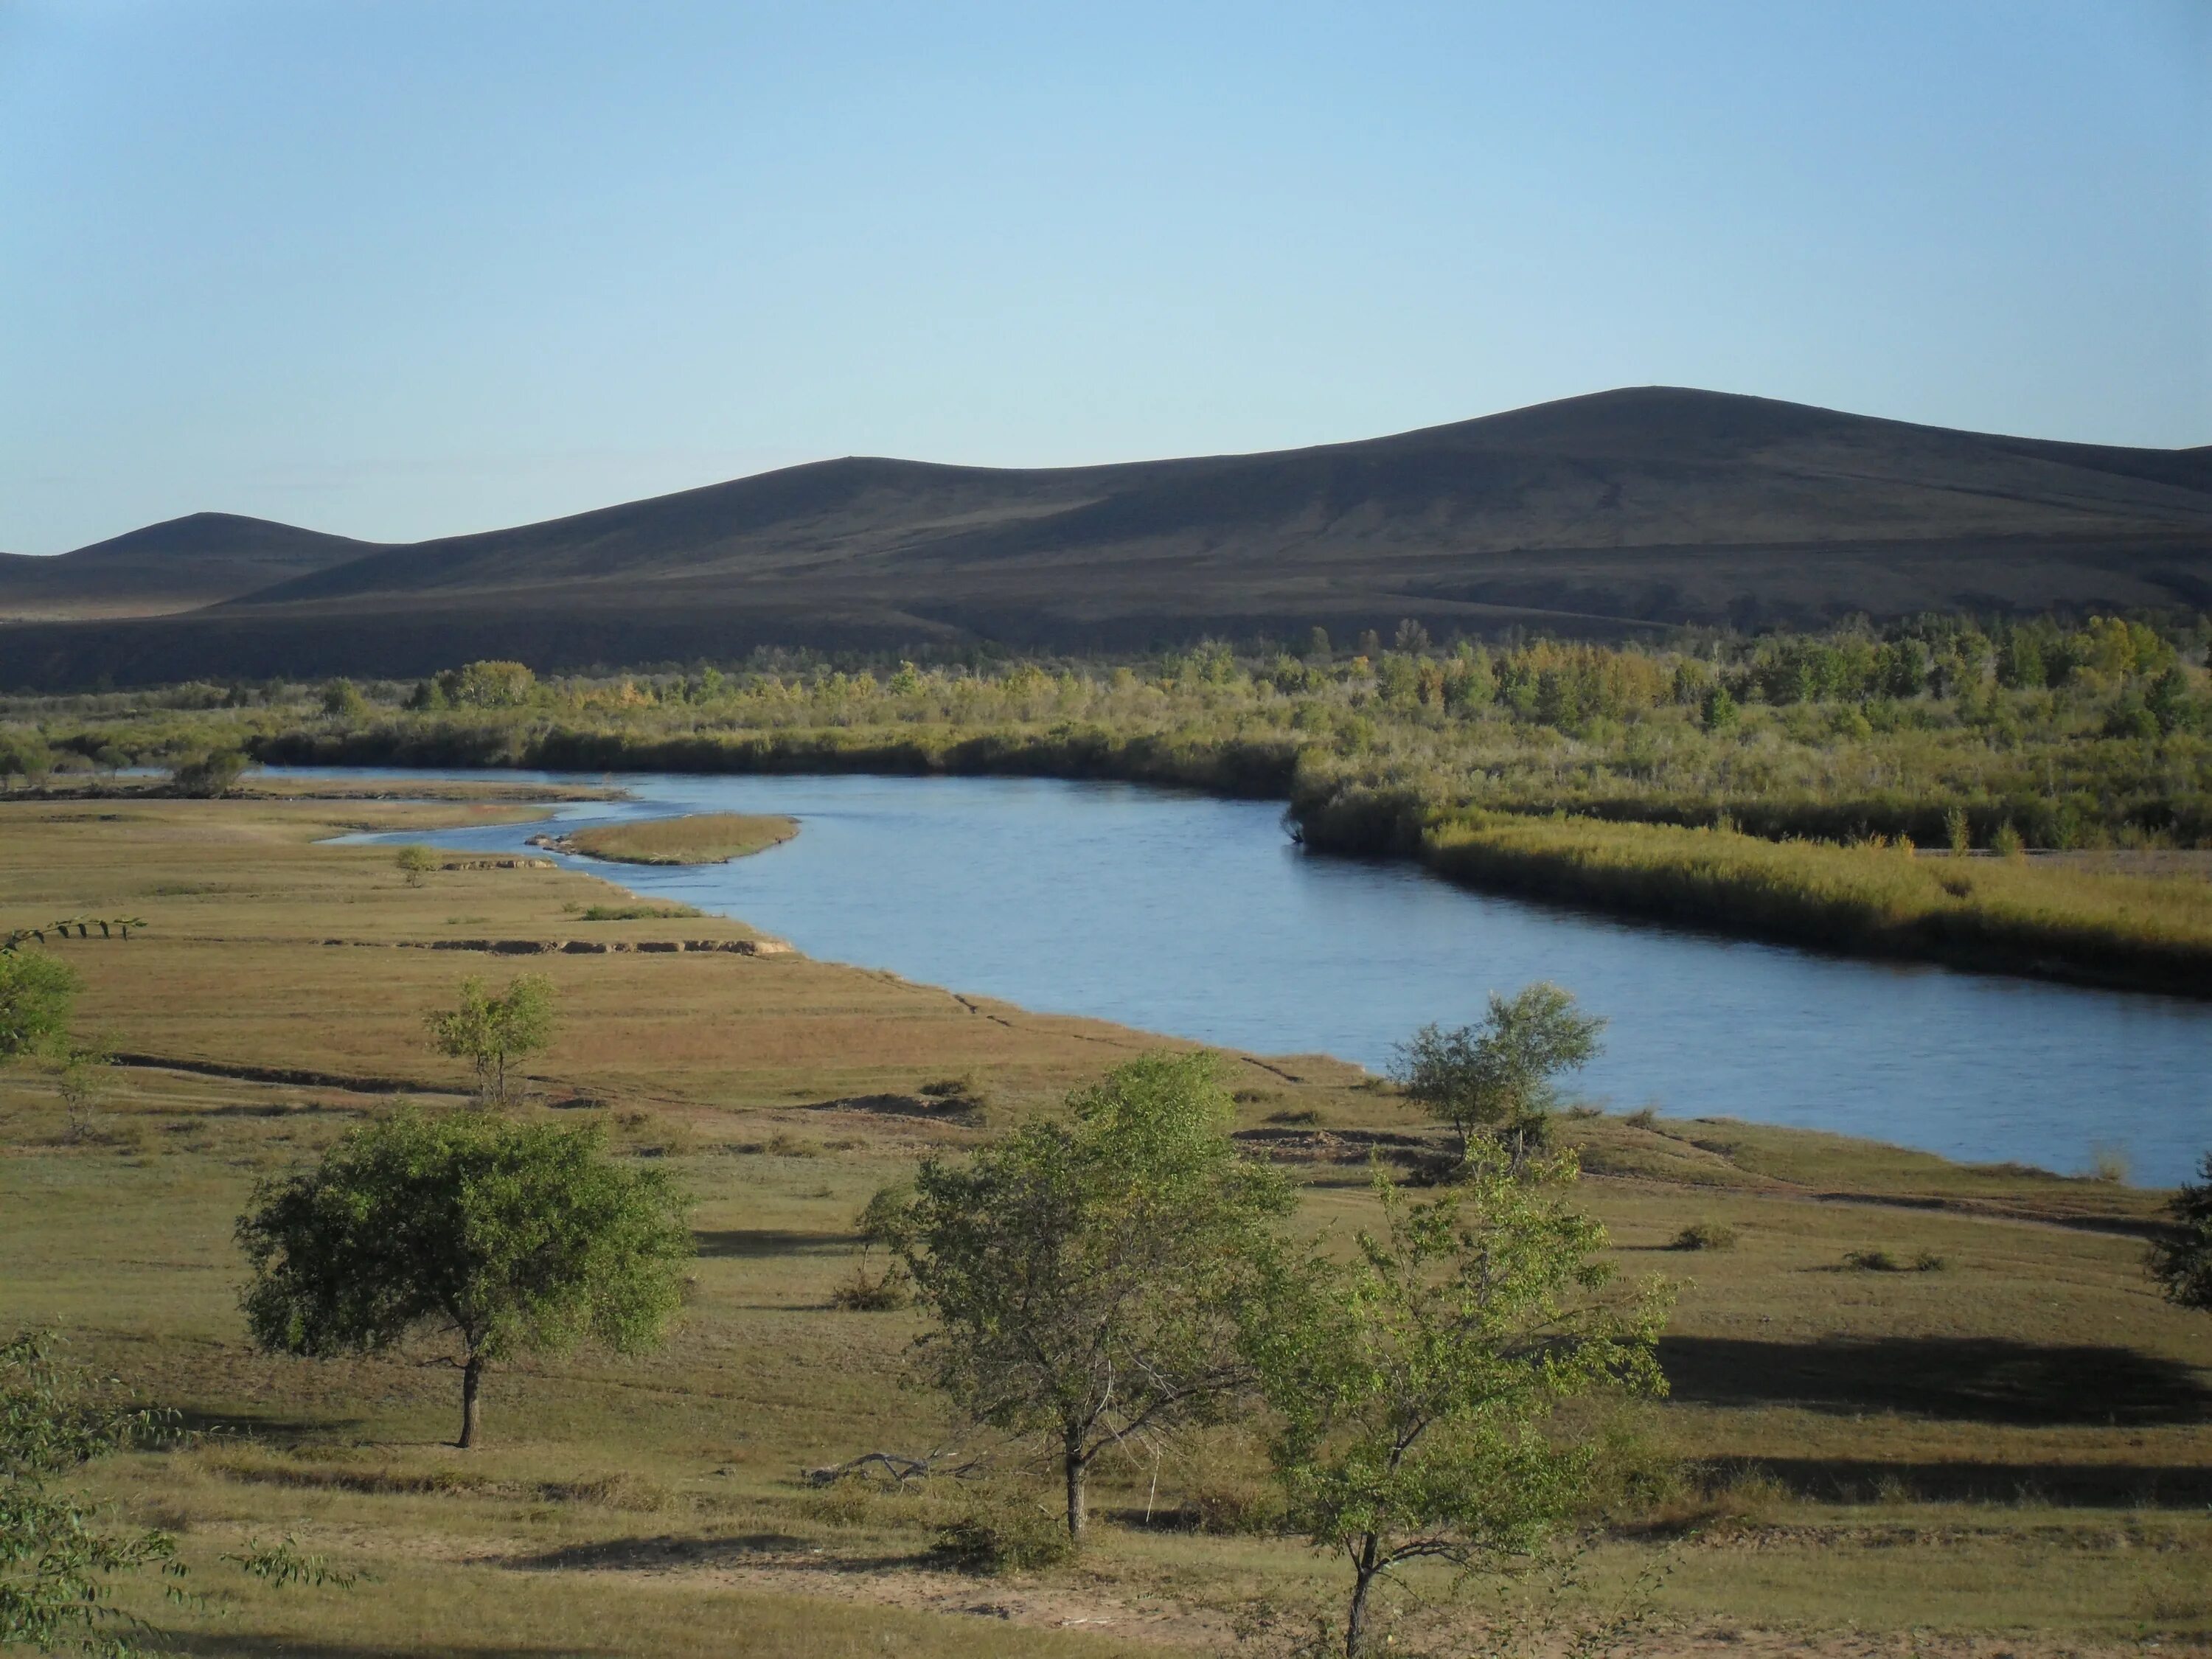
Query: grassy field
2012,1452
696,838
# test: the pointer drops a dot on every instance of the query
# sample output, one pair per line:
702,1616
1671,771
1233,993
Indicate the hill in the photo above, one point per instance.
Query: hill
1595,515
181,565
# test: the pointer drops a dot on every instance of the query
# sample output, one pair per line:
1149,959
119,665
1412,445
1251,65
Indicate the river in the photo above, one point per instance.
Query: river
1184,914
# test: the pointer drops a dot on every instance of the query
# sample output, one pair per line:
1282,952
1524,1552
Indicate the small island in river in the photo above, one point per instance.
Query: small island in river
699,838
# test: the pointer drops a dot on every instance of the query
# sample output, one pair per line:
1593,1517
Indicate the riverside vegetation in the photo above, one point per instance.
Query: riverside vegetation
2027,795
2007,1446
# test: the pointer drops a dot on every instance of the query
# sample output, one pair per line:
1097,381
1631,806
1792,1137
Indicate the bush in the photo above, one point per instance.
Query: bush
1881,1261
1643,1118
209,777
1705,1235
1001,1530
884,1292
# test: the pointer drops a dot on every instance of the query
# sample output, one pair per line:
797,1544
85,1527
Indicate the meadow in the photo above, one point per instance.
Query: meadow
2011,1450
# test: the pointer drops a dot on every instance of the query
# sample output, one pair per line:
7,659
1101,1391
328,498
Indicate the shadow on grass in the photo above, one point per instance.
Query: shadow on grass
238,1642
754,1241
266,1429
636,1554
2098,1486
1970,1379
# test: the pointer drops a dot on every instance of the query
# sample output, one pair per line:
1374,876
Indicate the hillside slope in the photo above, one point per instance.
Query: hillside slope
1592,514
181,565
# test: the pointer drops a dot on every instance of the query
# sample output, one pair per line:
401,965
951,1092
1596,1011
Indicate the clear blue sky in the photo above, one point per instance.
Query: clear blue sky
400,268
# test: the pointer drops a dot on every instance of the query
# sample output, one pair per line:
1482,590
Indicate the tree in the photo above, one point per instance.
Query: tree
2182,1260
342,701
57,1558
1085,1276
1410,1389
209,777
37,994
496,1237
1498,1076
415,863
489,1031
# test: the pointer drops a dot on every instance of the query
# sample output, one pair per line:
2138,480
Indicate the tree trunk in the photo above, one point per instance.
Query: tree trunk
1355,1622
1076,1468
472,1409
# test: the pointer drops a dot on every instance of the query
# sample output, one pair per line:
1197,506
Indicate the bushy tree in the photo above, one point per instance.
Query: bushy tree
59,1559
1411,1389
491,1237
37,994
415,863
209,777
2182,1260
489,1031
342,701
1086,1277
1499,1076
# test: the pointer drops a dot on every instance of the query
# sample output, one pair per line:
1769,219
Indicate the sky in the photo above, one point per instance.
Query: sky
404,267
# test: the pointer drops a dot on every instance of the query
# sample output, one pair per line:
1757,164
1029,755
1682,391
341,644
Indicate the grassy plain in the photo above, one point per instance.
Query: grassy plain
696,838
2013,1452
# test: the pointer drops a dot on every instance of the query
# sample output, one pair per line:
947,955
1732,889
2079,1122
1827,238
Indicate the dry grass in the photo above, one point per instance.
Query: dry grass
700,838
2016,1449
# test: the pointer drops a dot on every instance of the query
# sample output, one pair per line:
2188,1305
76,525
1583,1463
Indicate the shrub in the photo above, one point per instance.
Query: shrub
1643,1118
1705,1235
210,776
415,863
999,1529
1881,1261
866,1293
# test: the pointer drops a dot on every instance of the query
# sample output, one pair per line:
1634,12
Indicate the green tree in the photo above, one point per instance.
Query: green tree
59,1559
489,1031
2181,1261
209,777
37,994
493,1237
1498,1076
415,863
1085,1276
1411,1389
342,701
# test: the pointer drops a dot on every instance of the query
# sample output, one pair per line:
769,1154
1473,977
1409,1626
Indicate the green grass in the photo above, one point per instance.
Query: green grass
2015,1449
699,838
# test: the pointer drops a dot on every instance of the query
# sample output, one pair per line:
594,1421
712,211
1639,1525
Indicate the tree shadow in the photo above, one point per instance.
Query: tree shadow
2099,1485
1969,1378
264,1427
636,1554
756,1242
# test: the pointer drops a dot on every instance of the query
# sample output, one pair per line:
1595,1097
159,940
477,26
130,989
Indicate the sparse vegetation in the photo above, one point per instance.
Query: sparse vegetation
1707,1235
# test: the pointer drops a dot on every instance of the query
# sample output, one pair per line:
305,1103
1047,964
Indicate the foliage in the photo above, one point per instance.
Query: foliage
38,992
1412,1388
1084,1277
281,1565
342,701
209,776
1707,1235
489,1031
492,1237
1498,1076
1001,1528
415,863
2181,1261
58,1561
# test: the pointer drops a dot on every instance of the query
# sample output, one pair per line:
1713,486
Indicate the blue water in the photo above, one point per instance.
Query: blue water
1182,914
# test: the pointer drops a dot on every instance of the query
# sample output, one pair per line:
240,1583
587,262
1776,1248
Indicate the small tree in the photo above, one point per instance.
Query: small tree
1498,1076
1086,1277
209,777
415,863
496,1237
1411,1389
342,701
2182,1260
37,994
489,1031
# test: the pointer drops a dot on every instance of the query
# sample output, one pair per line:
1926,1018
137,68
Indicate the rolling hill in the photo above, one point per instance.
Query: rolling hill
1596,515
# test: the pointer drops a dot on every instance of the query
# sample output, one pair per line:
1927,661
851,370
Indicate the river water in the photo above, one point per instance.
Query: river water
1184,914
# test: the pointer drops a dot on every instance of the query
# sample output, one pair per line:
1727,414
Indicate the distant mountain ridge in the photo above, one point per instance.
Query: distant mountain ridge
1596,514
